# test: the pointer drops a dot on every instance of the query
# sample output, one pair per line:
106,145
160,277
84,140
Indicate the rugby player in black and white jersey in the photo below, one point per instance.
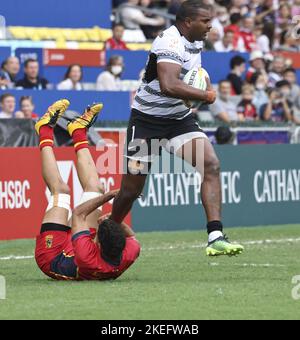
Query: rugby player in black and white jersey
160,112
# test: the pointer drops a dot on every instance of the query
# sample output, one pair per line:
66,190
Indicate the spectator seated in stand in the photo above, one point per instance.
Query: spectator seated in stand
9,71
72,79
262,38
288,42
226,44
276,71
213,37
26,109
151,31
224,108
247,34
246,108
133,18
278,108
259,81
235,23
238,67
239,6
31,78
290,76
284,17
110,79
8,106
220,20
257,64
116,42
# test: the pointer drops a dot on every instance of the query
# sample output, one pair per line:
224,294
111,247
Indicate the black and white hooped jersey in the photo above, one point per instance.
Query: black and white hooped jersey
171,47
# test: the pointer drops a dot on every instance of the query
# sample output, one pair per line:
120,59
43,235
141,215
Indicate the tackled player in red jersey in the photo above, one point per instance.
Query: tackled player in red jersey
83,244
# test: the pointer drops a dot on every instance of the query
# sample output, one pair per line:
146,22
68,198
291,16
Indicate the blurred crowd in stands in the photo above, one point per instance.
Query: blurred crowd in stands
8,107
265,90
238,25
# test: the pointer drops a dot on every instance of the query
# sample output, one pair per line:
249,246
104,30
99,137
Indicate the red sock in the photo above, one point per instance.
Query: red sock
80,139
46,136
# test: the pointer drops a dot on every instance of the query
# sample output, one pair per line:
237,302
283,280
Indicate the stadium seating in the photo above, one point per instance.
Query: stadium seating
84,38
95,34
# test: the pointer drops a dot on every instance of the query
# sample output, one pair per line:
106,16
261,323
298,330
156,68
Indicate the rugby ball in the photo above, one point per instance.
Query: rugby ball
196,77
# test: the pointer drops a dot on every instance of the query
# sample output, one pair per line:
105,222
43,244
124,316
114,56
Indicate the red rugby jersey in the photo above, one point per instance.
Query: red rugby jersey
90,264
113,44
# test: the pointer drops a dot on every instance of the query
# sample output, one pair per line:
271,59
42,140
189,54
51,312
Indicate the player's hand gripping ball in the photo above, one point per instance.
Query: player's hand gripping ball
199,79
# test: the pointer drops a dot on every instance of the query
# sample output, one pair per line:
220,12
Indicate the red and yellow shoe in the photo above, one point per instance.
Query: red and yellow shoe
54,112
87,119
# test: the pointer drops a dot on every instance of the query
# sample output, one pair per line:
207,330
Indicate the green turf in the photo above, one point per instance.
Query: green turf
173,279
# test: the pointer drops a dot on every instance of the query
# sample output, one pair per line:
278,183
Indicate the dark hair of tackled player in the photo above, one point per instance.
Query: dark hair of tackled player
112,240
193,20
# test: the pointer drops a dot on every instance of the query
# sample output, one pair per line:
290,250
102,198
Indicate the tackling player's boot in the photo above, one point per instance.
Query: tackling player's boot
54,112
222,246
86,120
78,127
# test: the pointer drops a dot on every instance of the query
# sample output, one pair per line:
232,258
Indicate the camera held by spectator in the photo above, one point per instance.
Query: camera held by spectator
278,108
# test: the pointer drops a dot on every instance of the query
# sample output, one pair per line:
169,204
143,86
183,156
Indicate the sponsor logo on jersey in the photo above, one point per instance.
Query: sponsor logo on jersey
49,241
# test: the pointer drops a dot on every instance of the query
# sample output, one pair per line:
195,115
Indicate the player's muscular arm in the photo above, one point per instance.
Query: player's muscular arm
81,212
127,230
172,86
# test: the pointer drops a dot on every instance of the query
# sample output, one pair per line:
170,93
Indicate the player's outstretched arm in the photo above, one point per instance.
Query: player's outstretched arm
81,212
172,86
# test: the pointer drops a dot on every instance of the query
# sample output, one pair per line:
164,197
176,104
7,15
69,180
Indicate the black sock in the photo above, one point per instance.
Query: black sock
214,226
